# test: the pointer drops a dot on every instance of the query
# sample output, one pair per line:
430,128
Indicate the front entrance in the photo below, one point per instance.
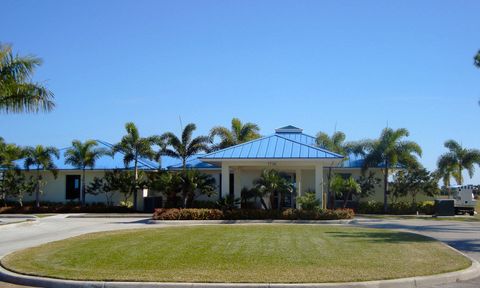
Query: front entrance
289,199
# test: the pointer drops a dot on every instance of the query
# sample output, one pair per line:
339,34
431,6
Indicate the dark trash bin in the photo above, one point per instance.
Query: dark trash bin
444,207
150,203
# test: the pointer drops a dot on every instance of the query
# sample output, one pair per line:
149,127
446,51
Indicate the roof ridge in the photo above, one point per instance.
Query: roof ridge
274,135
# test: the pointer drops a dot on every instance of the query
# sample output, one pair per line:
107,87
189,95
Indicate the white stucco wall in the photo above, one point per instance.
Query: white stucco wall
55,188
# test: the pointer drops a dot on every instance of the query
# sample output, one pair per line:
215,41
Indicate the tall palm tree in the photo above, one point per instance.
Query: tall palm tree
389,150
133,147
458,159
186,146
9,152
335,143
81,156
238,133
18,93
41,158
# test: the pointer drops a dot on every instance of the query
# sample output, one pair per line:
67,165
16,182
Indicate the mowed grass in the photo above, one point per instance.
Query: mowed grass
240,253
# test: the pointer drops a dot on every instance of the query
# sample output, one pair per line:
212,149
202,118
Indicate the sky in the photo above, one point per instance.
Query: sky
351,66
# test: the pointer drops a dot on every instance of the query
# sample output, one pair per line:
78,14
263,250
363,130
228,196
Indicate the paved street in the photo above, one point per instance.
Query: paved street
464,236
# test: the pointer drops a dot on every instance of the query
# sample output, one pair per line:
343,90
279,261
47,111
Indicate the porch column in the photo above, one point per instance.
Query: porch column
225,180
319,183
298,185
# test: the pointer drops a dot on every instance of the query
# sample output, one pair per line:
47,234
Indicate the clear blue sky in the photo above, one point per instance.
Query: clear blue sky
356,65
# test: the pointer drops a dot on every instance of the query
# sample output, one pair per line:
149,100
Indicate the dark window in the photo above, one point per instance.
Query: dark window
73,187
231,188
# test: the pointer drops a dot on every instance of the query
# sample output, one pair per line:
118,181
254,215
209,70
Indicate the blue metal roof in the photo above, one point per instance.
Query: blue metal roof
106,162
281,145
194,163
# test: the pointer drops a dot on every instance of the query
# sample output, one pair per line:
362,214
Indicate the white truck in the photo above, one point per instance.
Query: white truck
464,199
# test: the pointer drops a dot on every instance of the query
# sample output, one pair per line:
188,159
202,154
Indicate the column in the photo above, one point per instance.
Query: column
225,180
319,183
298,185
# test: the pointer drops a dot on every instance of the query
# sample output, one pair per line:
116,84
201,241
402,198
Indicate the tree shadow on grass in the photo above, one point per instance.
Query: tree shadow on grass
382,237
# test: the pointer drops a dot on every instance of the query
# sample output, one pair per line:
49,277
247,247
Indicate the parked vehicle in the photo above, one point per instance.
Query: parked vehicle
464,199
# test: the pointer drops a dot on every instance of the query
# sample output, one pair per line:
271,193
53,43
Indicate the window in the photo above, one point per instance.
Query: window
72,190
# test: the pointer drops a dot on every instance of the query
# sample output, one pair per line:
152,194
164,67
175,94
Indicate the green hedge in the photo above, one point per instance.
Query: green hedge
251,214
399,208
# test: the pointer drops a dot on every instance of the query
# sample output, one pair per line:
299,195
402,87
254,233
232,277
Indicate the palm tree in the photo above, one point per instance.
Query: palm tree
9,152
345,187
83,155
335,143
476,59
42,159
456,160
271,182
388,151
133,147
17,91
192,181
186,146
239,133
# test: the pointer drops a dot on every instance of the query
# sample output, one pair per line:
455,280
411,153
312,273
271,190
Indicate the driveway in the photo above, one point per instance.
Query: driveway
464,236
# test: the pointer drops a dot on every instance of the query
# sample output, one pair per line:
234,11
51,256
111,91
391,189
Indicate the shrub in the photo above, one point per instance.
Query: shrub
309,201
187,214
398,208
426,207
370,207
251,214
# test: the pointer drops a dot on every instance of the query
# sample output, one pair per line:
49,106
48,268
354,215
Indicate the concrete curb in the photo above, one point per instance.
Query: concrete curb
19,223
111,215
206,222
413,282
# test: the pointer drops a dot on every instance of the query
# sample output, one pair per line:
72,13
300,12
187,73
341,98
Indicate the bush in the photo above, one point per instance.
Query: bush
427,207
398,208
187,214
309,201
251,214
370,207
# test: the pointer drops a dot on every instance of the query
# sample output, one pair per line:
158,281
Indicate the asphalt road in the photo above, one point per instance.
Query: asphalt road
464,236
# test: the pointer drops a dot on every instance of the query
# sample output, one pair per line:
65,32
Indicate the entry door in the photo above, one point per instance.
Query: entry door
73,187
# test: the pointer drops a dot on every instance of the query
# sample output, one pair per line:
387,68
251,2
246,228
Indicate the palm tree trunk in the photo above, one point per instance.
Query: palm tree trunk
83,187
37,190
460,177
263,203
135,189
385,188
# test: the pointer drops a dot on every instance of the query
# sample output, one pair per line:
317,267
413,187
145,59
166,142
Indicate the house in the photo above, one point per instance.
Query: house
65,187
287,150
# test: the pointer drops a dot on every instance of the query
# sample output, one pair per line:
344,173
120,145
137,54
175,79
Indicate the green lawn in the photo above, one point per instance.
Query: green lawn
240,253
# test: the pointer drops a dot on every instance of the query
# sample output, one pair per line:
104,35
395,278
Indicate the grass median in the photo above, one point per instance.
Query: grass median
239,253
